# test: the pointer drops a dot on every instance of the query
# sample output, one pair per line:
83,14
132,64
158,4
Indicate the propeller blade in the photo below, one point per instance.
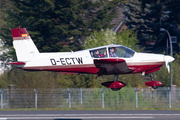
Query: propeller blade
167,60
167,66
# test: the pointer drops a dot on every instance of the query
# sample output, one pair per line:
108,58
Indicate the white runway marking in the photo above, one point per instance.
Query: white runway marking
83,116
79,118
91,115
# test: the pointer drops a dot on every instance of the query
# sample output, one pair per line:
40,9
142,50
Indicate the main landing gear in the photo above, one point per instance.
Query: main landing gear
117,85
154,84
114,85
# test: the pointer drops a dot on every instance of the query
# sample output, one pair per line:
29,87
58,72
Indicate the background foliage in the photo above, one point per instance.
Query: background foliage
105,37
148,16
54,24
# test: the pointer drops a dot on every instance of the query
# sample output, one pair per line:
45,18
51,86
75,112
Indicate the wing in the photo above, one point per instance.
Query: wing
111,66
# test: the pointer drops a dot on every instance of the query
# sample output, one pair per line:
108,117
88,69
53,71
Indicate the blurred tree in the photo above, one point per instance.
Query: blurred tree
145,17
54,24
44,79
105,37
172,11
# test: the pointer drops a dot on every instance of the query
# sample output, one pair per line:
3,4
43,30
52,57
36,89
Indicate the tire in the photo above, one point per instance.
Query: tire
154,87
115,89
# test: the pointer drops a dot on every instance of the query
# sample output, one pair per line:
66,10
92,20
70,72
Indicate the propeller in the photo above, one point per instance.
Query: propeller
167,60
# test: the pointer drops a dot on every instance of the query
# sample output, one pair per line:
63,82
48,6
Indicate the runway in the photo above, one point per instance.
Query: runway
91,115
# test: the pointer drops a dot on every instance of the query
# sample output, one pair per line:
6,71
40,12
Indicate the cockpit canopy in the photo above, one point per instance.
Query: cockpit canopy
112,51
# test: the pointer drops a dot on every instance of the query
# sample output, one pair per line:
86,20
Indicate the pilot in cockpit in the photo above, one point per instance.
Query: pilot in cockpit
112,53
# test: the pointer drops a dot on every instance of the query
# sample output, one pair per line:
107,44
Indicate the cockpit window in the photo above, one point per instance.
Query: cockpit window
121,51
99,53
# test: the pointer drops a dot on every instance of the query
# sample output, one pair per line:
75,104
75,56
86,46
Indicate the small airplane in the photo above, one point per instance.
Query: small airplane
105,60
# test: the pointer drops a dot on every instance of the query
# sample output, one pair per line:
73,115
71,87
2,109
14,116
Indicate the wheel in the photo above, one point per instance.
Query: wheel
154,87
115,89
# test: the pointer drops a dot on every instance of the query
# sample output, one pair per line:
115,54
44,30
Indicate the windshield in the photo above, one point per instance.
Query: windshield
121,51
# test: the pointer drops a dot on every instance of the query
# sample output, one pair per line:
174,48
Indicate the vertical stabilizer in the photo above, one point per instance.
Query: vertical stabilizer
23,44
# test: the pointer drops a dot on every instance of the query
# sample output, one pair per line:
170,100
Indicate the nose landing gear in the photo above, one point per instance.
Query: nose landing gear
153,83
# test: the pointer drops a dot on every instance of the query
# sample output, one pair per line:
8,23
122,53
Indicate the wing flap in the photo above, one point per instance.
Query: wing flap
111,66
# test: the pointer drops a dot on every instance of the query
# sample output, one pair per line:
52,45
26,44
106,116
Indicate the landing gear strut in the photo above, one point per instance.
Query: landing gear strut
115,79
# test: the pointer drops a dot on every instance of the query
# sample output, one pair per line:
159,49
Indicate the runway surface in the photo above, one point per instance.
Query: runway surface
91,115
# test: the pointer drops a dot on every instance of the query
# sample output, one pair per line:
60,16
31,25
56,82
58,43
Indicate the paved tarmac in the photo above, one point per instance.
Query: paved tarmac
91,115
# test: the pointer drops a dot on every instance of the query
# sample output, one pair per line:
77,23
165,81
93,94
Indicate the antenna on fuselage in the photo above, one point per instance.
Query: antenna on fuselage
66,47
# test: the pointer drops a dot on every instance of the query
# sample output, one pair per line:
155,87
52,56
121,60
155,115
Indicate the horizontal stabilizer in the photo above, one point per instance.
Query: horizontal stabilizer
17,63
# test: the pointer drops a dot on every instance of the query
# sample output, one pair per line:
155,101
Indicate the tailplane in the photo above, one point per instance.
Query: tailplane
23,44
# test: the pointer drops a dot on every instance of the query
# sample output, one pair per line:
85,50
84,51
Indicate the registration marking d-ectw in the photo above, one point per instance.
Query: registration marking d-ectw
67,61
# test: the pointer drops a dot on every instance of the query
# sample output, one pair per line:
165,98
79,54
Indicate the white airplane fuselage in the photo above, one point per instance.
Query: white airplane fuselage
82,62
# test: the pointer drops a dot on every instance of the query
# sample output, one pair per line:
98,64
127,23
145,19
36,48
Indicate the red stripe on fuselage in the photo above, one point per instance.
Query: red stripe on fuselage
91,69
144,66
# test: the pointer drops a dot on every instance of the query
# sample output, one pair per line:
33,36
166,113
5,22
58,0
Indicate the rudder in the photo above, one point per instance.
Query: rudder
23,44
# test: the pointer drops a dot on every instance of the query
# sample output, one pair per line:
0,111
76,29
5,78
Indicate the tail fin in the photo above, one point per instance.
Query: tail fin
23,44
